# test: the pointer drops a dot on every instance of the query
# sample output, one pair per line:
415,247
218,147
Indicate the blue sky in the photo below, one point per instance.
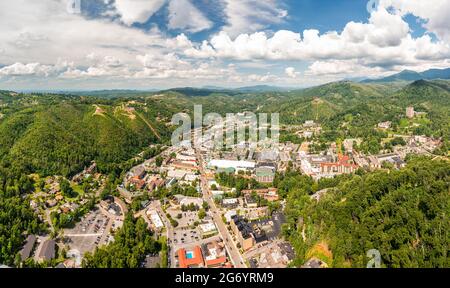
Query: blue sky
143,44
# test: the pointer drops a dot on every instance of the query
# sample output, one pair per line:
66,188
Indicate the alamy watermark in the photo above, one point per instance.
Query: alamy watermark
74,6
375,258
216,132
373,5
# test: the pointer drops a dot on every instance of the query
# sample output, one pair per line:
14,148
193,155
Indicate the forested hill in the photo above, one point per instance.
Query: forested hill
403,214
54,134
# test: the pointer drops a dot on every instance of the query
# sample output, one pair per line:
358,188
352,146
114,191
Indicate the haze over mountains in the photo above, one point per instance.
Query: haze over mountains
408,75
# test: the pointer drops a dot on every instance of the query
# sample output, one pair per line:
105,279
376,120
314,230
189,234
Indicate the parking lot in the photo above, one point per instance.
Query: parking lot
186,236
187,218
93,230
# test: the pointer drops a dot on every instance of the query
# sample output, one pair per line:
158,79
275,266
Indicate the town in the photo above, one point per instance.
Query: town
212,207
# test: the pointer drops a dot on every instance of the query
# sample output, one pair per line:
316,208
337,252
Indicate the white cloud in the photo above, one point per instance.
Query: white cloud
383,42
34,69
184,15
247,16
434,12
137,11
290,72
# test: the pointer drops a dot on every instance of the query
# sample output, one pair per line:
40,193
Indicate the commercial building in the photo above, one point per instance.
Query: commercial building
236,165
243,232
265,174
190,258
156,220
207,230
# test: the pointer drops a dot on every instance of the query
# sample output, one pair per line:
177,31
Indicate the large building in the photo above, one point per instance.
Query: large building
410,112
190,258
243,232
342,166
236,165
265,173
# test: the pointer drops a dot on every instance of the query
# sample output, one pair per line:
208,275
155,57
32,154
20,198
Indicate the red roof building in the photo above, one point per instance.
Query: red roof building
342,166
190,259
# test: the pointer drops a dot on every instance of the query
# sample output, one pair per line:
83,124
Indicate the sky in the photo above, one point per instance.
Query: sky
159,44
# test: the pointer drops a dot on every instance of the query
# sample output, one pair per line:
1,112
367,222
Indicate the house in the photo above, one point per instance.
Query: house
137,182
190,258
315,263
25,253
47,251
385,125
139,172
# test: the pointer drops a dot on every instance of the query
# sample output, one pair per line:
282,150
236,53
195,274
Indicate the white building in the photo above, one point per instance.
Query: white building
156,220
207,227
236,165
229,215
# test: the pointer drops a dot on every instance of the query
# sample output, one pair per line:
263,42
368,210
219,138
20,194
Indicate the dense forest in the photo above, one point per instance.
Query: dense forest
16,216
61,134
403,214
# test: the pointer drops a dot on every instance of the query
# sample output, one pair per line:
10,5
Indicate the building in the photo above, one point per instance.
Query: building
137,182
270,194
236,165
385,125
156,220
250,201
229,215
190,258
265,173
214,254
25,253
243,232
342,166
207,230
47,251
230,203
410,112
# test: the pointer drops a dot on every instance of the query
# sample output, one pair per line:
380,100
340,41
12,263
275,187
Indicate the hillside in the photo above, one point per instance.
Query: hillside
63,137
403,214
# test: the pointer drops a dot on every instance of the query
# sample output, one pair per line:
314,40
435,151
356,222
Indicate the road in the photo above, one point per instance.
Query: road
169,233
233,252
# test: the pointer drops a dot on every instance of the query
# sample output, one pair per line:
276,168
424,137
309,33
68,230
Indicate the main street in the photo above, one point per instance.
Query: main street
233,252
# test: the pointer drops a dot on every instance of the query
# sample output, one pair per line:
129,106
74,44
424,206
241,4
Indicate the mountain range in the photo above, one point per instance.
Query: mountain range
409,75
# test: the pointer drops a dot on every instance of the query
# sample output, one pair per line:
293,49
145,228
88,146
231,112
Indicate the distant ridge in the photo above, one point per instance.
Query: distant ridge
408,75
